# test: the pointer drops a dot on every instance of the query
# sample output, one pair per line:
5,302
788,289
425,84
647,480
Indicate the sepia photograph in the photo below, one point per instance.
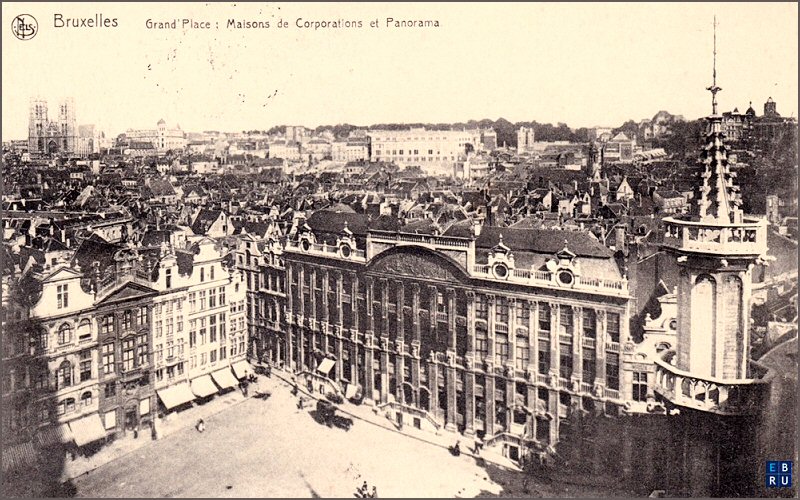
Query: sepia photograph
399,250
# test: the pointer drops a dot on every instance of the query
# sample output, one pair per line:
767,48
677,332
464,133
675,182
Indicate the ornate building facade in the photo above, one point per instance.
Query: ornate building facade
481,330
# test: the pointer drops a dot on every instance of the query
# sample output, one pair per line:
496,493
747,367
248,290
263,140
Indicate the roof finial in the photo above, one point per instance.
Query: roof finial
713,88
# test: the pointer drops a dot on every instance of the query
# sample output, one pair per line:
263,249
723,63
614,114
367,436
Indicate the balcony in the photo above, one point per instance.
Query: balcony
548,279
589,343
709,394
612,347
325,250
747,238
421,239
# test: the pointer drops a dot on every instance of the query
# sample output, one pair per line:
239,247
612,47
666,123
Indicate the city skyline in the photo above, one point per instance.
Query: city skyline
151,74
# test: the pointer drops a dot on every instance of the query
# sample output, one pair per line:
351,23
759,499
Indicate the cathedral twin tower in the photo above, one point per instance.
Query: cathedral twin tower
49,137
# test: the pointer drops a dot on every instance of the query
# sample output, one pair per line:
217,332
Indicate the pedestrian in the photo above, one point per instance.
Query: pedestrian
374,492
478,445
201,425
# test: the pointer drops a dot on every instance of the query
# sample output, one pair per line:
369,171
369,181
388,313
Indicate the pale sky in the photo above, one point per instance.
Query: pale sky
581,64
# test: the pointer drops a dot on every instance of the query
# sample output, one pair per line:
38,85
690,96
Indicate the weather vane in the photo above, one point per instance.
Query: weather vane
713,88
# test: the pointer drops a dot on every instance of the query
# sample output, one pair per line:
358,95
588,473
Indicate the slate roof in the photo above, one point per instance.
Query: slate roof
547,241
204,220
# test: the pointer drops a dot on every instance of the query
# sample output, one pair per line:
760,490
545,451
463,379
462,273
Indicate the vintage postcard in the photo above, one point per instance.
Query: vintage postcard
399,250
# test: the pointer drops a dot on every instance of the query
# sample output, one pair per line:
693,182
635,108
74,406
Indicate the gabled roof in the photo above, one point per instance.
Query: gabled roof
204,220
127,291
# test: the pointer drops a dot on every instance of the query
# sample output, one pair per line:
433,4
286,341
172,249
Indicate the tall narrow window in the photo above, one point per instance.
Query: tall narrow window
127,320
612,370
141,350
640,386
128,346
589,366
589,324
522,312
62,295
65,334
86,365
544,318
481,340
501,341
108,358
544,357
64,375
501,313
523,353
566,320
613,326
481,307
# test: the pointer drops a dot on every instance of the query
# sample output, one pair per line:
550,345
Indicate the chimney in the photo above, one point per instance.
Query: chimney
619,238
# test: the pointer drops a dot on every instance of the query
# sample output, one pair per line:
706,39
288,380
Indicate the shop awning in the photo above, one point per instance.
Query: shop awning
203,386
54,434
87,429
19,456
350,391
224,378
325,366
241,368
176,395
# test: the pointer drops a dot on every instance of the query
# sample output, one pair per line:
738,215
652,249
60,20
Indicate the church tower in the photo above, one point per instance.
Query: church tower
67,127
716,248
37,125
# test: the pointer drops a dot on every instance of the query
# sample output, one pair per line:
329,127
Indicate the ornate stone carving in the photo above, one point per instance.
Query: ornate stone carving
468,362
415,265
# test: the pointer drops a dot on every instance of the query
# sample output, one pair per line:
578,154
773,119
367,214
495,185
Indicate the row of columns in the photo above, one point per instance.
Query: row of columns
376,344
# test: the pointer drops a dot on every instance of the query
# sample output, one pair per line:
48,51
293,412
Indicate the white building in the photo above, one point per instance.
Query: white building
345,150
199,329
433,150
162,138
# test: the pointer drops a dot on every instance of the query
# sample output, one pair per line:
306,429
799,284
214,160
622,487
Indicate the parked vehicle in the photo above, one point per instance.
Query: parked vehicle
326,413
341,422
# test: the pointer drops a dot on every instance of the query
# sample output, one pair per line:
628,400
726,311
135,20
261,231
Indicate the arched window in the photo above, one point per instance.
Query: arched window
86,398
65,333
69,405
85,330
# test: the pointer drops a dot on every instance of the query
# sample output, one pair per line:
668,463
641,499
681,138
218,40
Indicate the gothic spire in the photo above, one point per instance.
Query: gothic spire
713,88
718,199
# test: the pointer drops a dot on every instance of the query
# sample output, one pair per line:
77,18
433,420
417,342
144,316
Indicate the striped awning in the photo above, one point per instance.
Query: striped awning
224,378
19,456
203,386
54,434
241,368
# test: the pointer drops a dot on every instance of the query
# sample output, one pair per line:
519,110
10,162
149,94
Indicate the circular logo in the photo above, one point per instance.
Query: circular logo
24,26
